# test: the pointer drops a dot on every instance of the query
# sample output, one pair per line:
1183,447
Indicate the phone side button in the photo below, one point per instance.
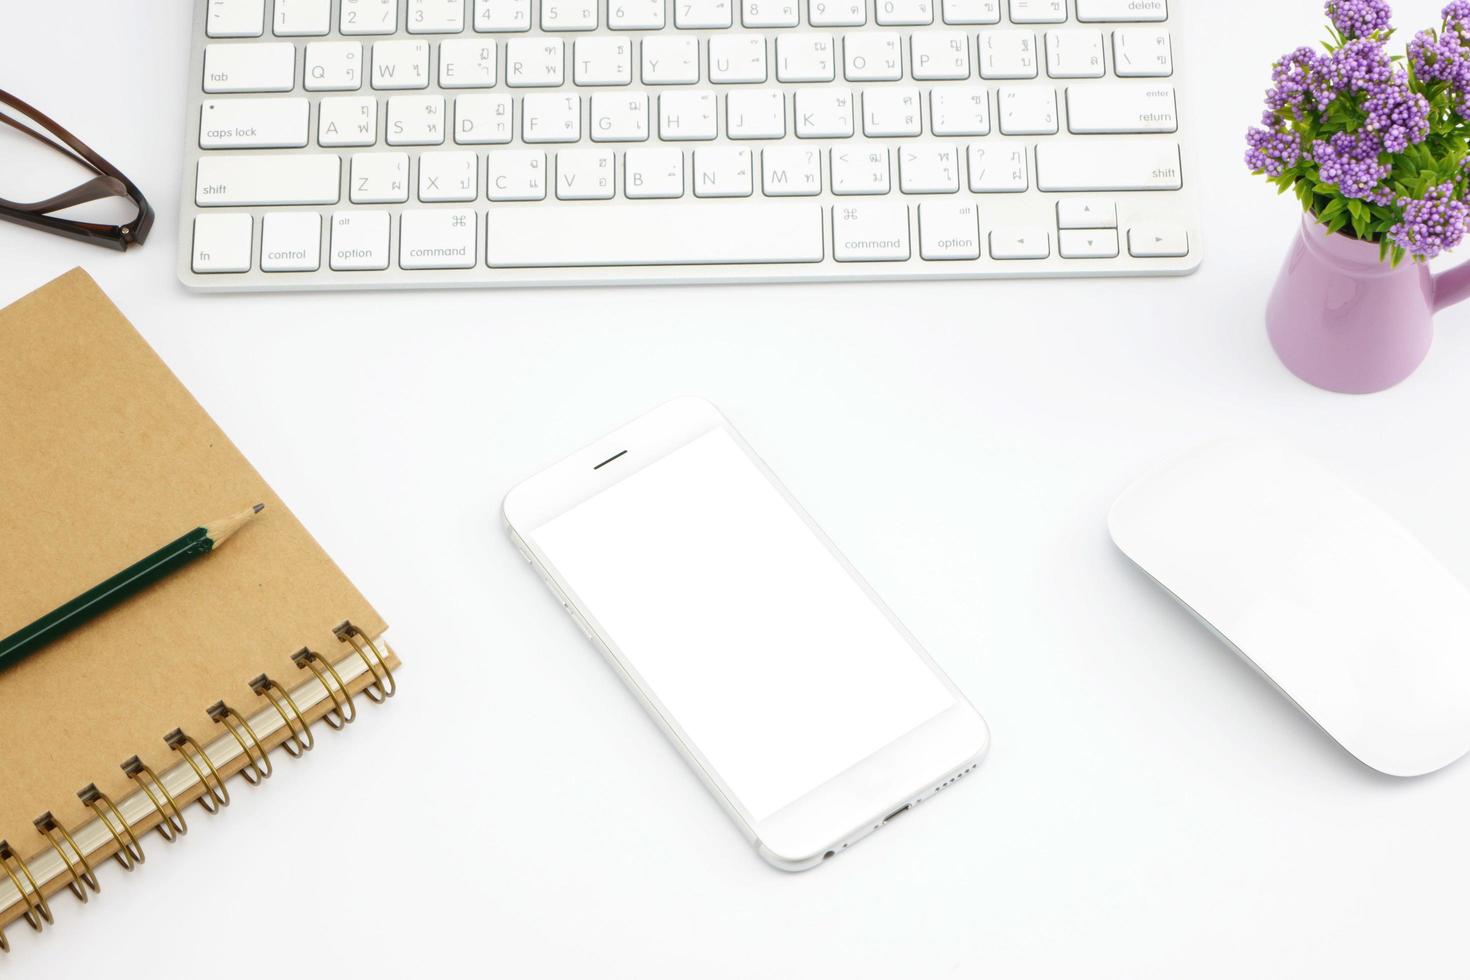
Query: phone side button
581,623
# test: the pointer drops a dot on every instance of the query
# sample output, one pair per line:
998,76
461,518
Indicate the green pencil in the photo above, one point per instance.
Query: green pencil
98,599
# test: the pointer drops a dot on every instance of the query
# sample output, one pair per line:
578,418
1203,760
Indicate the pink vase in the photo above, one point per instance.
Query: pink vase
1342,320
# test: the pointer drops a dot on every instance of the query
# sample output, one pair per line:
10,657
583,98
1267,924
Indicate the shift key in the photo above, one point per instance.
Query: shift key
1108,165
238,181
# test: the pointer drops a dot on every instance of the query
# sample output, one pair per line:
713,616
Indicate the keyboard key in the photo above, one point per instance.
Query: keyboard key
1158,240
959,111
928,168
534,62
759,114
805,58
1038,11
302,18
585,175
871,57
702,14
379,178
1089,243
502,15
998,168
359,240
480,119
291,241
569,15
670,60
635,15
434,16
823,112
602,61
1108,165
722,171
241,181
516,175
949,230
870,231
768,13
891,112
249,67
737,59
1086,212
970,11
939,55
654,234
1121,107
1089,11
791,171
235,18
551,117
860,168
687,115
1142,52
437,239
1022,242
1074,54
222,243
448,175
837,13
400,65
334,66
904,13
653,173
1007,54
1027,110
253,123
466,63
416,120
619,117
369,17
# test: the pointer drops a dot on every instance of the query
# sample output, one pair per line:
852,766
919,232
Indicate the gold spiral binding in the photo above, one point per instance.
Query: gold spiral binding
129,852
299,739
82,881
216,793
37,913
383,685
343,706
234,722
173,824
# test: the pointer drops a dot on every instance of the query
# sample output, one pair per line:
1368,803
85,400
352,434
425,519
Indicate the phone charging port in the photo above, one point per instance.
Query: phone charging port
899,812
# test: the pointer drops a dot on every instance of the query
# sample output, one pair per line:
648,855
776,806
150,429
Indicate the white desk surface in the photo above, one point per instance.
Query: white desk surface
1150,808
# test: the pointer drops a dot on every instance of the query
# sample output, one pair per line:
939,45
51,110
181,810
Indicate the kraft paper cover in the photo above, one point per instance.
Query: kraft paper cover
105,457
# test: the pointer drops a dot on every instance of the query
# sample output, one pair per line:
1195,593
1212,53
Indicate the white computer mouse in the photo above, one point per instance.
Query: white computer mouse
1327,596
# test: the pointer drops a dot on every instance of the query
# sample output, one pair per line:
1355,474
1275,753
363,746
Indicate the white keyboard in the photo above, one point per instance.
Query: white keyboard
417,143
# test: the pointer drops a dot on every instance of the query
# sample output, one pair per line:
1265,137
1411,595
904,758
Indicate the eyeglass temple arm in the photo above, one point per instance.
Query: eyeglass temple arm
93,190
109,183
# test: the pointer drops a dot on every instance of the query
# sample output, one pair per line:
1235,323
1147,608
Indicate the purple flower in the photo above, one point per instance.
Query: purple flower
1398,115
1271,147
1358,66
1350,160
1443,59
1431,225
1457,17
1291,80
1359,18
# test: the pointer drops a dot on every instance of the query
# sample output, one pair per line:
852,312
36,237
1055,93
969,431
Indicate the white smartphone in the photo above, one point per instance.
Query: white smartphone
796,695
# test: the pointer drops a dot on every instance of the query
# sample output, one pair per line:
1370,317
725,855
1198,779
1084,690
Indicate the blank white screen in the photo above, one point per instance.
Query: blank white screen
755,639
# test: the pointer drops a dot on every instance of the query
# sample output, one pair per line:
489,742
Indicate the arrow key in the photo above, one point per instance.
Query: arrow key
1020,242
1087,212
1158,241
1089,243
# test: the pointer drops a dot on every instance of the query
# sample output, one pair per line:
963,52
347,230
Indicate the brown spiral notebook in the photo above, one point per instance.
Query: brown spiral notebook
118,728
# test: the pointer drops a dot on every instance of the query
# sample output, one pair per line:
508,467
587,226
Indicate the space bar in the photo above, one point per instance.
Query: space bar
653,234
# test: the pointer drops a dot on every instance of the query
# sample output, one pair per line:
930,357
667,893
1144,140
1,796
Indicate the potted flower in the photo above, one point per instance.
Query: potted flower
1374,145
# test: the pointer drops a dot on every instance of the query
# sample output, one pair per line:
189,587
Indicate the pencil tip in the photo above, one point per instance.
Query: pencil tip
258,508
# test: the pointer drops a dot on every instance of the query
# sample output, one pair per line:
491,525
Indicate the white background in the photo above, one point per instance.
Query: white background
1150,807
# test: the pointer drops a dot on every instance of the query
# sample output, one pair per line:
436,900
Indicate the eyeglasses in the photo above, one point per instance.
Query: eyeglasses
109,182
